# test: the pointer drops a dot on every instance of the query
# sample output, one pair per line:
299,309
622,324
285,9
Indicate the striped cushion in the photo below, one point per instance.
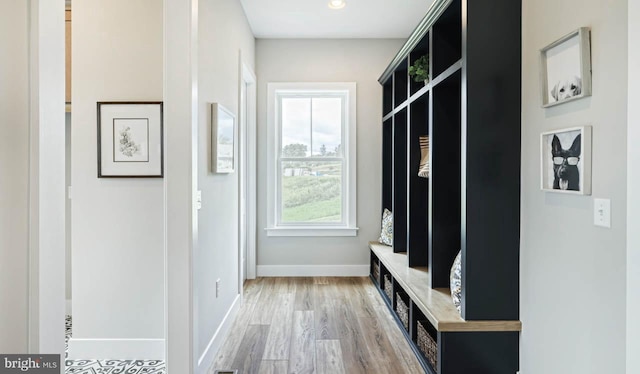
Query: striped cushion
423,170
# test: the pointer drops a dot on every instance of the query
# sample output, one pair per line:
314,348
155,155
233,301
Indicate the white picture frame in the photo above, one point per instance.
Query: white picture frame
130,139
223,139
566,68
562,176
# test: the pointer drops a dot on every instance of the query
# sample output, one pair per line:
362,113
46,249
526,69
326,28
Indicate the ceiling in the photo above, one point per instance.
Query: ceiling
314,19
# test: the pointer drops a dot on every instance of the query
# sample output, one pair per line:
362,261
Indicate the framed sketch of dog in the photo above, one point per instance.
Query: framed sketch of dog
565,160
566,68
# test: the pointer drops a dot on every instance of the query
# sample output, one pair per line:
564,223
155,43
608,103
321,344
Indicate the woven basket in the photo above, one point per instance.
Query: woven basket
427,345
403,311
376,272
388,286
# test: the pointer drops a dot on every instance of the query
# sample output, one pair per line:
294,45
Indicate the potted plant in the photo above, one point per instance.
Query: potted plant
420,69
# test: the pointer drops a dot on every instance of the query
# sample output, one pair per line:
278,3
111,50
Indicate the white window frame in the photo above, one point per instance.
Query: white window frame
346,228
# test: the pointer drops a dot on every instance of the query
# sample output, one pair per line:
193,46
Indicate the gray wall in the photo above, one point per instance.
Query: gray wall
14,175
361,61
573,274
633,185
224,33
118,223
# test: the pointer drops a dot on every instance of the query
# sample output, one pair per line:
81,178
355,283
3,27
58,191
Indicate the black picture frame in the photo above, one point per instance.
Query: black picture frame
140,153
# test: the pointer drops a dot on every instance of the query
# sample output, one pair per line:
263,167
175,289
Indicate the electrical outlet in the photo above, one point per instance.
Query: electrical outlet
602,212
198,200
217,288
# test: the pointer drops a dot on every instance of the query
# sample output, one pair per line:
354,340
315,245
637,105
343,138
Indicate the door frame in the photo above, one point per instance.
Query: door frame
248,171
47,198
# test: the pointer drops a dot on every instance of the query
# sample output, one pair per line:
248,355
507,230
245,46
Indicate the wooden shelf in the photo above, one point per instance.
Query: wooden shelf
436,303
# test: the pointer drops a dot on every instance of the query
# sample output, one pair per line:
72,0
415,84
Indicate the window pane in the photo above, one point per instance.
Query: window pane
296,127
327,127
311,191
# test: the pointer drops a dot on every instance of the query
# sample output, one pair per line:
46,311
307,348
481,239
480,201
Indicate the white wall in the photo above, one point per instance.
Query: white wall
14,174
68,289
633,185
361,61
573,275
118,238
224,33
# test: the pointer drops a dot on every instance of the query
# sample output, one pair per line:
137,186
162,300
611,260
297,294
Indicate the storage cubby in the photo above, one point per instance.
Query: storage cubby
445,183
420,50
400,181
400,84
386,284
375,269
470,201
401,305
447,38
387,165
417,245
425,337
387,97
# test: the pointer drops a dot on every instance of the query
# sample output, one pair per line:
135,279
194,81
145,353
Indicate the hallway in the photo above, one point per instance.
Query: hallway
315,325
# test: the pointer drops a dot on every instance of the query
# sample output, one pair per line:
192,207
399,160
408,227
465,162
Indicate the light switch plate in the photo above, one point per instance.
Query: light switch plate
602,212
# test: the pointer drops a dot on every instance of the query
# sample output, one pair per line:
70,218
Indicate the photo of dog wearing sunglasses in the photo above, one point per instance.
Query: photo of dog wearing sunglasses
566,175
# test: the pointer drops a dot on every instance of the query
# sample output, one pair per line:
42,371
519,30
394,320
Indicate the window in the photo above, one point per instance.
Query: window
311,159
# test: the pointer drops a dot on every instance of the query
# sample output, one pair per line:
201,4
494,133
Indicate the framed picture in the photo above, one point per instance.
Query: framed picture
130,140
223,139
566,68
565,160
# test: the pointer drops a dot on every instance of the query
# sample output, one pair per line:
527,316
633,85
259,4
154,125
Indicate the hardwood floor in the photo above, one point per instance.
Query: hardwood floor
315,325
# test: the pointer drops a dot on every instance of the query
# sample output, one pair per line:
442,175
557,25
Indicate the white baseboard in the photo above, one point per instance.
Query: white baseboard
313,270
208,356
122,349
68,308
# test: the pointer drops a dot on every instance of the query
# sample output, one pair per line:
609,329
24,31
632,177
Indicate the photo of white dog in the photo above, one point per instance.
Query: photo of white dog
567,88
566,68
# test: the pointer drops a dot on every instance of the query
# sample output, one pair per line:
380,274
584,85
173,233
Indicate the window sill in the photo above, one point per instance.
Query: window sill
312,231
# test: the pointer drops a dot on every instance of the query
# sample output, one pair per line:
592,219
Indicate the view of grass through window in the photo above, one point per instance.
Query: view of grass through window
312,191
311,159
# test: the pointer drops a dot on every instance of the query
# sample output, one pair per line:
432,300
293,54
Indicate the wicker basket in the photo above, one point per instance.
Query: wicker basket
403,311
388,286
427,345
376,272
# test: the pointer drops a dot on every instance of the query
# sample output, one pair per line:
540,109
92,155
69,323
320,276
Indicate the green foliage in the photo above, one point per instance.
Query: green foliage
317,211
420,69
294,150
303,190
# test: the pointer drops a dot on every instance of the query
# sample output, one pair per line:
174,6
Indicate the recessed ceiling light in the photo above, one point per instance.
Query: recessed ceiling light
337,4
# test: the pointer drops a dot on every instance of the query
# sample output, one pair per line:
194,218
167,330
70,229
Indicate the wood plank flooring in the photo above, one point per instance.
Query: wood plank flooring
315,325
